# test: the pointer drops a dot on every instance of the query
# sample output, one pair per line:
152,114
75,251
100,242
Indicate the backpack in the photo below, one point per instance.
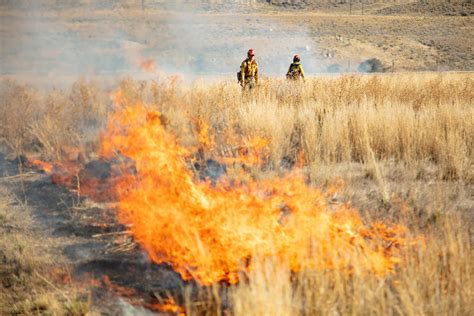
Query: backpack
294,72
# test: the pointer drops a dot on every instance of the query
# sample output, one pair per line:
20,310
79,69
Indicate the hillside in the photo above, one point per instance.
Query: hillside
104,39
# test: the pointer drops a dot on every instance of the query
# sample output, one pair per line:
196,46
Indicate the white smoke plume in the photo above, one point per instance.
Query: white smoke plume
149,38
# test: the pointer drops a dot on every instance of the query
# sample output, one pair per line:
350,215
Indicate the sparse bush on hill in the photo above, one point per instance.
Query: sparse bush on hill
371,65
289,3
430,7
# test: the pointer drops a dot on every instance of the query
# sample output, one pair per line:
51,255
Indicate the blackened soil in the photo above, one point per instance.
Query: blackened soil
87,236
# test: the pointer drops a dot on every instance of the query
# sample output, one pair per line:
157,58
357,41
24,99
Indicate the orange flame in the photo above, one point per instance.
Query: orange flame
169,305
213,232
133,297
204,139
300,158
251,151
148,65
45,166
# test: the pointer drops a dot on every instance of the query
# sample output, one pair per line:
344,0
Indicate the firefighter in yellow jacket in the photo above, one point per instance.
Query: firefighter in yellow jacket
295,72
248,74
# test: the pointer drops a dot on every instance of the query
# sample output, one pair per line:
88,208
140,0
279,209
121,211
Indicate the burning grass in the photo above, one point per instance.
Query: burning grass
210,231
223,187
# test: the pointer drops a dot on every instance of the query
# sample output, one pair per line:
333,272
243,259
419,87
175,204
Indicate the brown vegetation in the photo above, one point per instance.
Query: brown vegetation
410,134
52,122
34,281
405,117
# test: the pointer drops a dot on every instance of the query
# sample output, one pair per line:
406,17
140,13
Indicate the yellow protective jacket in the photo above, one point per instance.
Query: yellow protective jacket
248,69
295,71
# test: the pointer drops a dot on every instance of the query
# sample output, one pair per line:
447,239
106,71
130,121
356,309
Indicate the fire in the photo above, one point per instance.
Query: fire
169,305
134,297
212,232
74,174
148,65
45,166
204,138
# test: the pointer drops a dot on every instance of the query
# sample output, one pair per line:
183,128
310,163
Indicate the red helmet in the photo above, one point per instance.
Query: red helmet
251,52
296,57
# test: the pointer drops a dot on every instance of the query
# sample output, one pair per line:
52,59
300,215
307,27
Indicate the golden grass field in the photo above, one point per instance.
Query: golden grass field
402,143
406,118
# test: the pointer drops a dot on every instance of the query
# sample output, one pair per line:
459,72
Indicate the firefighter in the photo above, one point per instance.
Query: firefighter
295,72
248,74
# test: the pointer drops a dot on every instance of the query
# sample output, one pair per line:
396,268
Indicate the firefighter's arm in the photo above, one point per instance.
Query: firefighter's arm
302,72
288,72
242,72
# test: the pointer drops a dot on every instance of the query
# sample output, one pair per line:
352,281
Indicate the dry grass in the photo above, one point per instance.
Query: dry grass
32,279
50,123
405,123
437,281
408,118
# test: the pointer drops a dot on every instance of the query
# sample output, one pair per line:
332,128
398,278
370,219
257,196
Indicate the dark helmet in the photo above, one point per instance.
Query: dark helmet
251,52
296,58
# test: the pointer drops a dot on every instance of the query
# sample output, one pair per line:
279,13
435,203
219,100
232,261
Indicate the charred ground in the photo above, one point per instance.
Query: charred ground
66,256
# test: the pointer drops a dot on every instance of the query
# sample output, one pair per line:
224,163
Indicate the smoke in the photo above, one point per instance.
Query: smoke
146,39
215,44
44,44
